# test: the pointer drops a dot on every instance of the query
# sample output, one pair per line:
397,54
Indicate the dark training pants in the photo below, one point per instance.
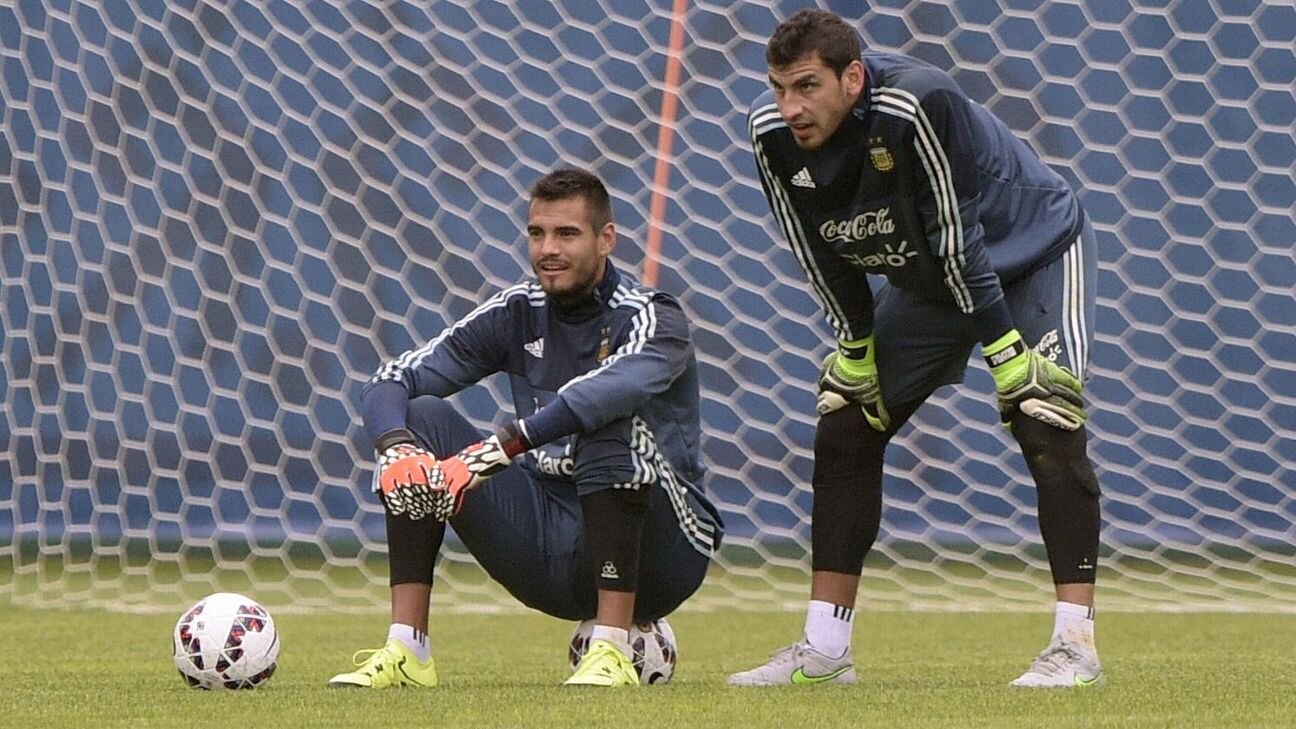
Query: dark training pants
528,534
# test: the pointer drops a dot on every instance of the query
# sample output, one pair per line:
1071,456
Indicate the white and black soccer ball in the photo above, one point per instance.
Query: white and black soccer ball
652,644
225,641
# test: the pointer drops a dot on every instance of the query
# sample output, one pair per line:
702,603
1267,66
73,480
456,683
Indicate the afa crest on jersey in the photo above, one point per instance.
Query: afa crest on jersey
604,344
881,159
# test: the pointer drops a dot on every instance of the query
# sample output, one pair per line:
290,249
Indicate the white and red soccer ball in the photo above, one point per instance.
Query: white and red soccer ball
225,641
652,645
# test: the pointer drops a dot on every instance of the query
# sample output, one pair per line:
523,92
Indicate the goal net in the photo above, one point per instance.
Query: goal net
217,218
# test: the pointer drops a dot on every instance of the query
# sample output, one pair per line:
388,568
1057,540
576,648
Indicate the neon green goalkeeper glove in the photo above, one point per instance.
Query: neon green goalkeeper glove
850,375
1029,382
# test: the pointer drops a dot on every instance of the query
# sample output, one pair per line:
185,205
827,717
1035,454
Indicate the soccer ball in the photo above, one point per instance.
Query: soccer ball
225,640
652,644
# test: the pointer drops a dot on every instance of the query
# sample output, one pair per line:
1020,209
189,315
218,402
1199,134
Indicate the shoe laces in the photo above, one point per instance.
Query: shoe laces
370,658
1054,659
602,657
789,653
604,648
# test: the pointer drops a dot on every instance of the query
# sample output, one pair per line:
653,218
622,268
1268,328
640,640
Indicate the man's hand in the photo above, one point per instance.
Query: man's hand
1036,386
403,474
471,467
850,375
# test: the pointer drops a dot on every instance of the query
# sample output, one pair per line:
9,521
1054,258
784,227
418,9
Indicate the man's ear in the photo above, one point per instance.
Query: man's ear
607,239
853,77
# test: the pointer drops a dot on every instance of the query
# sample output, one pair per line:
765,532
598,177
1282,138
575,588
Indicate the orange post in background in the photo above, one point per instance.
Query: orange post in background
665,140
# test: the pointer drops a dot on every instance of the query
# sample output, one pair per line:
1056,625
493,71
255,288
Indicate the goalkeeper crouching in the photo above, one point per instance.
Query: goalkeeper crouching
877,163
589,503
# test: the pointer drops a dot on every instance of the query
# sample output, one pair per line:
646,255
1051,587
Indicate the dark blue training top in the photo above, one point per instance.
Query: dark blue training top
919,184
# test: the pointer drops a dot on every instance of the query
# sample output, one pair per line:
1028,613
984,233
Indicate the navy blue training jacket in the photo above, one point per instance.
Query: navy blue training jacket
921,185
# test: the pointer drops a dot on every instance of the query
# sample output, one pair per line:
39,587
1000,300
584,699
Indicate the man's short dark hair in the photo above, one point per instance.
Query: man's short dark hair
569,182
814,31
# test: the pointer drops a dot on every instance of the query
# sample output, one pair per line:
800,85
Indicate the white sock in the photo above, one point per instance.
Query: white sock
1074,624
619,637
828,627
413,638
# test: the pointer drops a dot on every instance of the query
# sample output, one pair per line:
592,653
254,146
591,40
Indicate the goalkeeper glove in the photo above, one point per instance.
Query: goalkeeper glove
471,467
402,476
850,375
1029,382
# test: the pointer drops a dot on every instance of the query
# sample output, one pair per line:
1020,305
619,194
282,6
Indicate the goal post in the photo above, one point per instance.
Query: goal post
218,218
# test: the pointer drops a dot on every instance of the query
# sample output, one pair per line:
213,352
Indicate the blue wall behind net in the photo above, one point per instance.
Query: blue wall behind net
218,219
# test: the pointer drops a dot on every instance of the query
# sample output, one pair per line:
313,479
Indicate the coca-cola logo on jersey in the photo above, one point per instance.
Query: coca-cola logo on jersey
862,227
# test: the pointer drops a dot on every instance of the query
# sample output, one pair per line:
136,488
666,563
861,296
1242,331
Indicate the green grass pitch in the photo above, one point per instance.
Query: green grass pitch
95,668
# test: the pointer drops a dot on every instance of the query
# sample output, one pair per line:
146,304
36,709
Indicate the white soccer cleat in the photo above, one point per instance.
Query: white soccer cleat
1063,665
798,665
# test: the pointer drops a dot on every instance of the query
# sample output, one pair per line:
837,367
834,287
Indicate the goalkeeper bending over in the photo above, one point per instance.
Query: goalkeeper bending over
588,505
877,163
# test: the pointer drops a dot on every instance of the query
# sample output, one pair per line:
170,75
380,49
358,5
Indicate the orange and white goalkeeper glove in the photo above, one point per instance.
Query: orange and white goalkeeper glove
471,467
401,478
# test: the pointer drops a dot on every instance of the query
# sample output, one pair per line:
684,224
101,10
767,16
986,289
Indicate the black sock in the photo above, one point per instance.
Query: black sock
412,546
1067,489
847,484
614,520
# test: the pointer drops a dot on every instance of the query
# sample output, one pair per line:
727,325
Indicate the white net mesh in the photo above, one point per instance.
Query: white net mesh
218,218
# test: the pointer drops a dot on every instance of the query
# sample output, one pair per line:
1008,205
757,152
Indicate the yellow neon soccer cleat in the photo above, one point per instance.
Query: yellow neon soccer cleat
391,665
604,665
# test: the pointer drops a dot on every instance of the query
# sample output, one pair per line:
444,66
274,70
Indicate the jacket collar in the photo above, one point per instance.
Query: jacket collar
608,286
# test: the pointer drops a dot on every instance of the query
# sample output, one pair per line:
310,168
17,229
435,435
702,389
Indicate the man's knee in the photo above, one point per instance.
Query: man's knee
429,406
606,457
1055,456
845,448
441,428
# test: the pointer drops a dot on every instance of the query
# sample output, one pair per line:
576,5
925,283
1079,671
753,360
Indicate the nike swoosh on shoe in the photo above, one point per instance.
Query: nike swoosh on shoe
799,676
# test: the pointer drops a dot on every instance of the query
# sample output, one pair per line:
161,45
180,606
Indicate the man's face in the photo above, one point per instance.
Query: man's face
812,99
567,254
